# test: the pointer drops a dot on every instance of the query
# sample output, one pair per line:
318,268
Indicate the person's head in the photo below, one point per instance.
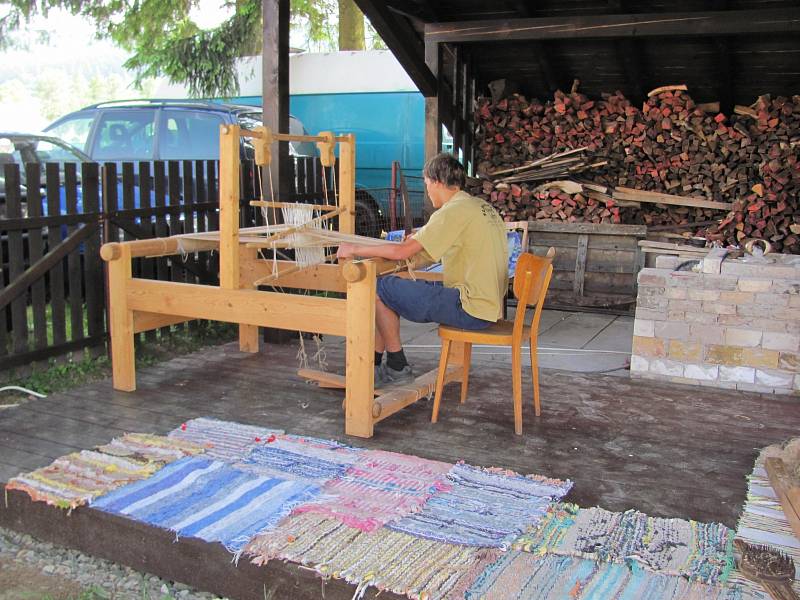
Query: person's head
444,176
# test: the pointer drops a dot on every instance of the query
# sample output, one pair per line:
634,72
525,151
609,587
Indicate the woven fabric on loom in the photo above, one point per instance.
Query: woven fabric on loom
698,551
380,487
483,508
526,576
75,479
209,499
764,522
385,559
151,447
224,440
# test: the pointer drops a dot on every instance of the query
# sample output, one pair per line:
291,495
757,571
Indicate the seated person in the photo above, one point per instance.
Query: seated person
468,236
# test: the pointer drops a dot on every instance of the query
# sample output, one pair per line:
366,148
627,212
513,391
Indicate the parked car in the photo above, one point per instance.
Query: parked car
28,148
146,130
143,130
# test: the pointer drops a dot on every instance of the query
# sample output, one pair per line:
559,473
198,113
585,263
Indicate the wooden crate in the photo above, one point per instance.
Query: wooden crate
595,265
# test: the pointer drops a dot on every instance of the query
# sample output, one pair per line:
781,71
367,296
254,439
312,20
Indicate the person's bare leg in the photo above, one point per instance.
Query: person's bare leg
380,346
387,325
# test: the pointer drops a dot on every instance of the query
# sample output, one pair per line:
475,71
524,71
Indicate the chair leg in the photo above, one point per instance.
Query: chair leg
465,366
440,379
537,409
516,382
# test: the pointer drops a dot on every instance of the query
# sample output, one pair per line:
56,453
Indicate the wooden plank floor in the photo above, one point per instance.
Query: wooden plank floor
667,450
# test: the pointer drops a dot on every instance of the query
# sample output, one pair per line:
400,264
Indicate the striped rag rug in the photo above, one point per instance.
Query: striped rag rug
142,446
764,522
210,500
380,487
526,576
270,459
484,507
329,450
385,559
223,440
700,552
75,479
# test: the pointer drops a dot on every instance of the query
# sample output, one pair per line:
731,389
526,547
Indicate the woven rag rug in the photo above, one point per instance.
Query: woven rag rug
380,487
525,576
209,499
764,522
484,507
700,552
223,440
296,457
75,479
388,560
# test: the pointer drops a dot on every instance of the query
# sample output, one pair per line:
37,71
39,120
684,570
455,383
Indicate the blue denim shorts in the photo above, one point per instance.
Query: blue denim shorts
426,302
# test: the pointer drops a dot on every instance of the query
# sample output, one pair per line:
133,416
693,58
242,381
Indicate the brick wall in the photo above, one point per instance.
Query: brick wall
734,325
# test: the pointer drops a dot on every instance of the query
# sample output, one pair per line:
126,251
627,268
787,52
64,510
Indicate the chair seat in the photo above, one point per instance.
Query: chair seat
497,334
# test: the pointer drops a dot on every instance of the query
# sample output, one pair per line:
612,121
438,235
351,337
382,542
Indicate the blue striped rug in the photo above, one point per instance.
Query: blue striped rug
484,507
210,500
279,462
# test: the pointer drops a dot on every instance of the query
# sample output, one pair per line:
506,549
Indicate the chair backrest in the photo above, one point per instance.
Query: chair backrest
531,280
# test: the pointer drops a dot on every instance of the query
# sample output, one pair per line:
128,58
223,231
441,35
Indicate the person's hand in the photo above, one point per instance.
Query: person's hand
345,250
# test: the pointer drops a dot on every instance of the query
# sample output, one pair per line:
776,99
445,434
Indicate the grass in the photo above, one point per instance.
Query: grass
82,368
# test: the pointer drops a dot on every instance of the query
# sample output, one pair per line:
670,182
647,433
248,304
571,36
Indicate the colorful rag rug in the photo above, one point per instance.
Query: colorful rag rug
223,440
380,487
764,522
484,507
141,446
209,499
526,576
700,552
271,459
388,560
75,479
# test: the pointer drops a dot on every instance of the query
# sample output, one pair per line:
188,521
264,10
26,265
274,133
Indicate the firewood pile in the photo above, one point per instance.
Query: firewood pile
672,164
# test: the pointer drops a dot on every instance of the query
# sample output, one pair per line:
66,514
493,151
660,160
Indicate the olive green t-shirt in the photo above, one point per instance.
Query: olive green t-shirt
469,237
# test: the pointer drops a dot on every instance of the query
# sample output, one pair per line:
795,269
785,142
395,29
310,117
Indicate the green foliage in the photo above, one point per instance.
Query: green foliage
205,60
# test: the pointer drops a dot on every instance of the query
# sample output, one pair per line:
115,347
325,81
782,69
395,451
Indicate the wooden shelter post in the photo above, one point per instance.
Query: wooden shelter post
275,88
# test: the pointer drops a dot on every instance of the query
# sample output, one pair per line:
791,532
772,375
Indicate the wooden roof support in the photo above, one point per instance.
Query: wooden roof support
403,41
725,22
275,87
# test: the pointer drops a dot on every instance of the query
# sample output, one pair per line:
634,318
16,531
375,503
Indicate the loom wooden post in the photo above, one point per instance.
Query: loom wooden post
120,321
229,224
248,334
347,183
360,353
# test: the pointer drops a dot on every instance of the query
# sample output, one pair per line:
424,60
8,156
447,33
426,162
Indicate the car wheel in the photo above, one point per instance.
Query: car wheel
369,222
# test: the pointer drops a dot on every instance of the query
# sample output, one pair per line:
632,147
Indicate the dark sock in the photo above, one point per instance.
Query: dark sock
396,360
378,358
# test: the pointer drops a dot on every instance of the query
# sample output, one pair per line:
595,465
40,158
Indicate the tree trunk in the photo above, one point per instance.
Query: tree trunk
351,26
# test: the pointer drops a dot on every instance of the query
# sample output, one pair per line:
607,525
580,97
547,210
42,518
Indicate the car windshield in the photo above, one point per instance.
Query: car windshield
24,150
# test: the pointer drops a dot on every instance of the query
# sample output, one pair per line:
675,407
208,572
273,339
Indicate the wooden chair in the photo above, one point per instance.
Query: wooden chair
531,280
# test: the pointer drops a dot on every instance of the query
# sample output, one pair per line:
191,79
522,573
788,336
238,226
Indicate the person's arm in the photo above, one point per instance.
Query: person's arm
405,249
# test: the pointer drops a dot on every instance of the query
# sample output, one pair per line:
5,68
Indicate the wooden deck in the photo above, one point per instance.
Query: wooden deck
666,450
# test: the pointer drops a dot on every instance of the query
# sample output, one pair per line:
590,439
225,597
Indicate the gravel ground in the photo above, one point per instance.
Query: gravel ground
30,569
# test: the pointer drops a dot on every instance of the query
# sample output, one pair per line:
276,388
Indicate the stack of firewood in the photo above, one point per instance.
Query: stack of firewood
728,177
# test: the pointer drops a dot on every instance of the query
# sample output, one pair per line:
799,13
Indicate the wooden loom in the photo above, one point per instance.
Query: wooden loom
137,305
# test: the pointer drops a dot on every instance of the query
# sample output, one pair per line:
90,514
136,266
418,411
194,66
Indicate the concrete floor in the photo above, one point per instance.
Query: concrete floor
568,341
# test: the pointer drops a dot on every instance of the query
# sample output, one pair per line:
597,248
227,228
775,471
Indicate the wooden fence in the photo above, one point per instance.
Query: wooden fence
52,283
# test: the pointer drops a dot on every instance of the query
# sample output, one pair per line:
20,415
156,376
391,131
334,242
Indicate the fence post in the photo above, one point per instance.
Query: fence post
393,196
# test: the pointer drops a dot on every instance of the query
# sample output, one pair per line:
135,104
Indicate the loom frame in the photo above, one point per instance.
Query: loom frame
136,304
